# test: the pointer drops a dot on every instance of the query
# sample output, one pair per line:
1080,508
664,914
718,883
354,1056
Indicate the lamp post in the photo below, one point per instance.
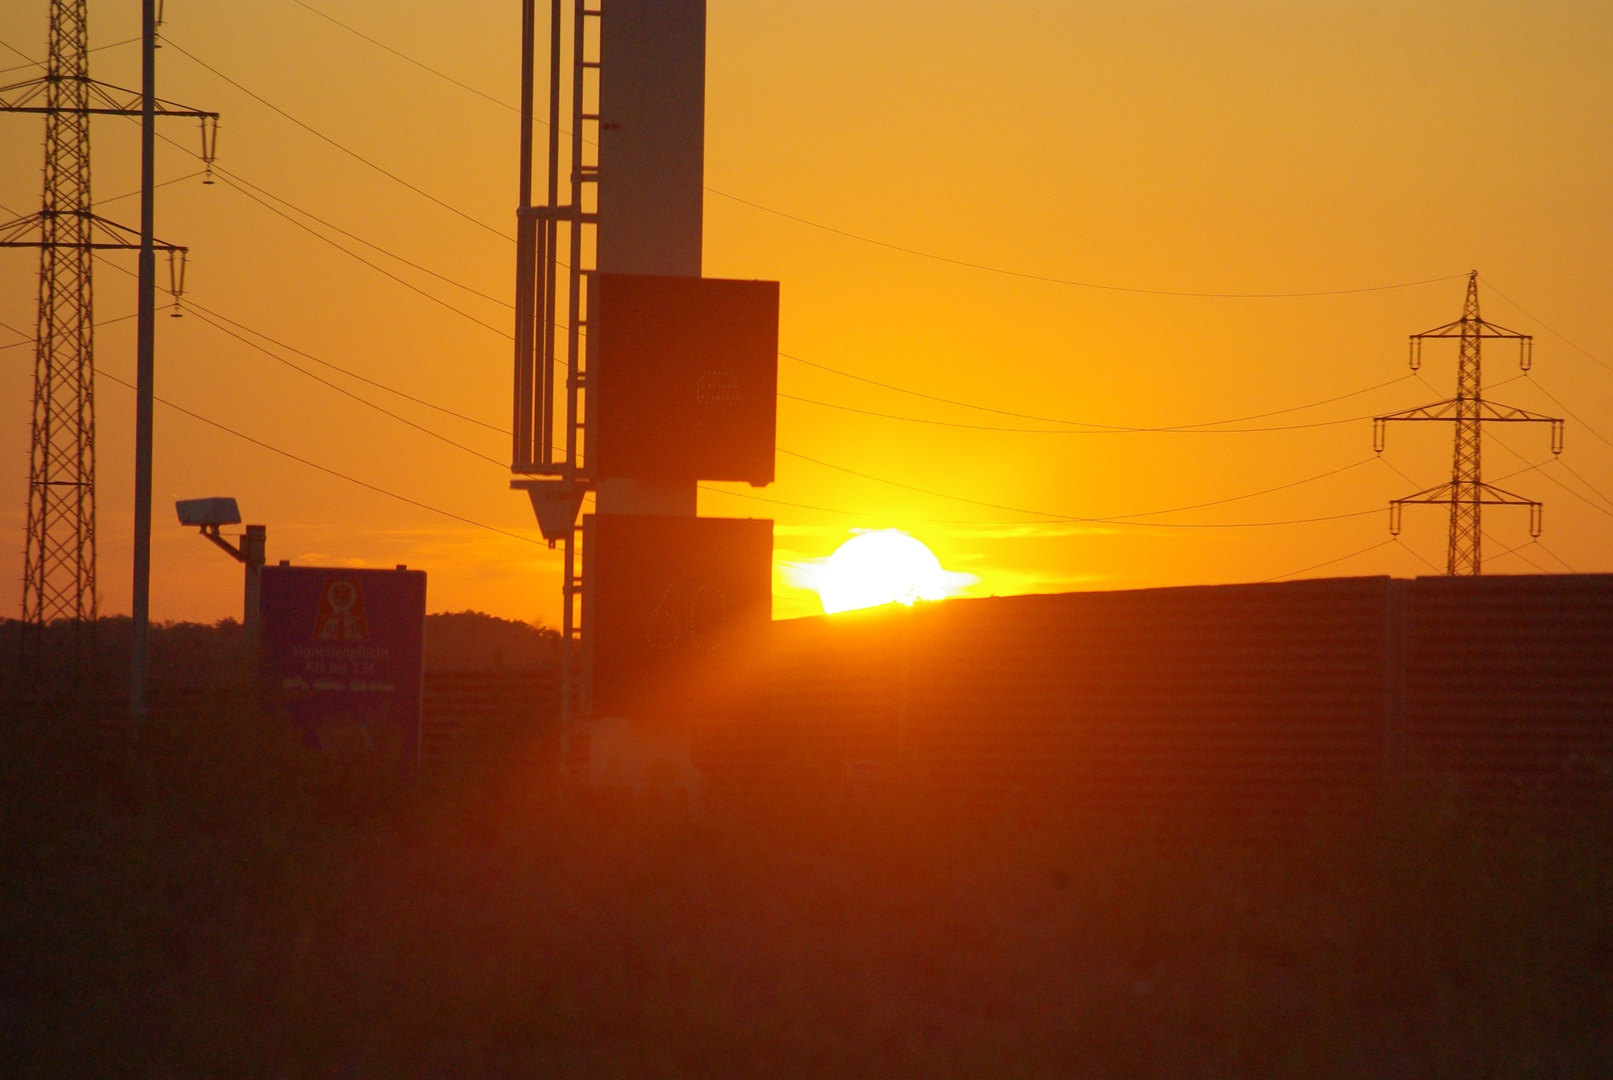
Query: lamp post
210,515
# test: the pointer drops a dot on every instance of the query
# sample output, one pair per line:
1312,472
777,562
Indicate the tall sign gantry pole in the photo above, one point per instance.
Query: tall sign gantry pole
59,573
556,257
1467,494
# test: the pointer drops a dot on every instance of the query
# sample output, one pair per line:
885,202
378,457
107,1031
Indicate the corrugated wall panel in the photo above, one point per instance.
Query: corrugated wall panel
1244,698
1509,683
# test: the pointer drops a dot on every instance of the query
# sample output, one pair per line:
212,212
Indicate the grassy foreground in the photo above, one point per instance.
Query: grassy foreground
215,902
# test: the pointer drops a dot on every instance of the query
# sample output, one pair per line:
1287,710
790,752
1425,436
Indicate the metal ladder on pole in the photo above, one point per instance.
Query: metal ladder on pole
556,260
582,263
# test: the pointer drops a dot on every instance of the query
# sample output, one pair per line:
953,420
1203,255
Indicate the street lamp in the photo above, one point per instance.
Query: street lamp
210,515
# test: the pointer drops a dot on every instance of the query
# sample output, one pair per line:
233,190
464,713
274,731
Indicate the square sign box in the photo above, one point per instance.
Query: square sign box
341,654
683,378
678,610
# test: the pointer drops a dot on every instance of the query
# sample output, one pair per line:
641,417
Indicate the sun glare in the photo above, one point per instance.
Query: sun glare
883,567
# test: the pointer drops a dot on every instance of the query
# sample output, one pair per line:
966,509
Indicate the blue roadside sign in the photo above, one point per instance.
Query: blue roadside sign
341,655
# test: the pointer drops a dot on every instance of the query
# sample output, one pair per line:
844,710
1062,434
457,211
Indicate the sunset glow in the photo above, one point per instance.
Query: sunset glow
884,567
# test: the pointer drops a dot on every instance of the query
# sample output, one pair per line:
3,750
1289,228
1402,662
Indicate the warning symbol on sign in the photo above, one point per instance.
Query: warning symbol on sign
341,613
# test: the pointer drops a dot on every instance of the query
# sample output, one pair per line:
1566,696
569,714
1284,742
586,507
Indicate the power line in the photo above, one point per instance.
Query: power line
1086,423
195,307
229,176
406,57
1540,468
1554,333
1425,561
1599,493
333,472
1118,520
1330,562
202,314
1101,428
1083,284
1576,417
1556,556
355,155
1074,431
233,180
165,183
259,190
881,243
32,63
1079,520
1518,551
354,255
34,341
345,392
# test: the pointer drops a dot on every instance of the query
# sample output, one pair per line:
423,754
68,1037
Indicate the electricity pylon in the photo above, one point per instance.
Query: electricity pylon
59,569
1467,494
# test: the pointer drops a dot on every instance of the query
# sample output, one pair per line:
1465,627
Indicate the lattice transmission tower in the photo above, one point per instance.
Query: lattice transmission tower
59,563
1467,494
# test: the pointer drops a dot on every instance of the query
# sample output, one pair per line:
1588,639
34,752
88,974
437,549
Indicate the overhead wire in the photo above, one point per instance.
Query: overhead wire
1425,561
1087,284
32,63
1087,423
1546,326
159,184
1566,565
1330,562
1201,427
333,472
897,247
34,341
405,57
243,182
199,310
411,286
1572,415
1076,431
758,206
355,155
193,305
1540,468
239,184
347,393
238,179
1518,551
1074,519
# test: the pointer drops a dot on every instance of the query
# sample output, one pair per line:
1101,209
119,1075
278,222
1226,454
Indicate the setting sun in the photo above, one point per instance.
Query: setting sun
883,567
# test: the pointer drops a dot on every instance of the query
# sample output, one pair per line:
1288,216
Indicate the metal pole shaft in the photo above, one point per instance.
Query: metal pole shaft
144,361
526,418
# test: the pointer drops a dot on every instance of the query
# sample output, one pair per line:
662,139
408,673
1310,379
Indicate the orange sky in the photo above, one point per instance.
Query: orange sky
1257,147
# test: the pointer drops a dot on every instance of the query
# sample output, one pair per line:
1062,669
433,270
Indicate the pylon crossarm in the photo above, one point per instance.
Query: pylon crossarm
1450,329
1508,414
113,237
1494,496
108,100
1495,330
1439,410
1439,493
121,236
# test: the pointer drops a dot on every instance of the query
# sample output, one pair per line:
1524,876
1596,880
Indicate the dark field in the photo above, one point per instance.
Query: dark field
216,902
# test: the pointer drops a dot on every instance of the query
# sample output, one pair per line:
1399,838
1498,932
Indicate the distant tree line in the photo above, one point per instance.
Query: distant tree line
189,655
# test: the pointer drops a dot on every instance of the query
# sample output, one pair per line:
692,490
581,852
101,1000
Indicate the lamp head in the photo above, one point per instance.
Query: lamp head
205,512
